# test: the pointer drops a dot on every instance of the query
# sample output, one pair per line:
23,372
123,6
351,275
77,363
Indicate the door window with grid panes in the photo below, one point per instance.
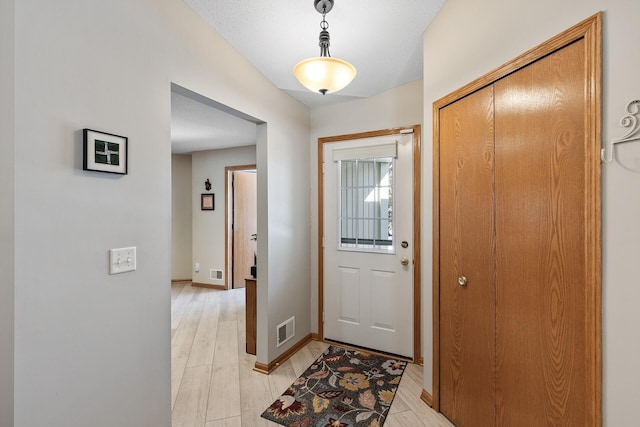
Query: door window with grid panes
366,205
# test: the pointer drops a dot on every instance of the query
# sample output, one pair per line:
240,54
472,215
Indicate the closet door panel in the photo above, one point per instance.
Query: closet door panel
467,248
540,232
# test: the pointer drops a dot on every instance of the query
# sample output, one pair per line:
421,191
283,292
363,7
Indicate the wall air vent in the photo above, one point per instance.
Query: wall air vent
285,331
216,275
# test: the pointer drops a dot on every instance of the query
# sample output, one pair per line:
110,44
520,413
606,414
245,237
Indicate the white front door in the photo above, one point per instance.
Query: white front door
368,234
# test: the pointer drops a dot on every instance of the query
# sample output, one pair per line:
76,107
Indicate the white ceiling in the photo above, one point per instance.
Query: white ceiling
382,39
196,126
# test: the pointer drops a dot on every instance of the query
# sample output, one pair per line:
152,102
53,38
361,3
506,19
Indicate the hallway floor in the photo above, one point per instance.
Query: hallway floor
212,381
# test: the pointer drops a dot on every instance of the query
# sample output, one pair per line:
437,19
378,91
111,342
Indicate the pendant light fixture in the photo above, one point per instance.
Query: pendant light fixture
323,73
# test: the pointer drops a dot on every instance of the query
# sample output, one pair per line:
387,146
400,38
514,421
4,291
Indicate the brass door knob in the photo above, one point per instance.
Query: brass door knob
462,281
404,260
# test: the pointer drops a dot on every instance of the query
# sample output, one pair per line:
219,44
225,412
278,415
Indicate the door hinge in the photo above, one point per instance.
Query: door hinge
323,242
323,167
323,317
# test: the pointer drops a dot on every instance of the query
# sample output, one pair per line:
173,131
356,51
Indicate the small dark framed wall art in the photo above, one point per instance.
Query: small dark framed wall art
207,202
104,152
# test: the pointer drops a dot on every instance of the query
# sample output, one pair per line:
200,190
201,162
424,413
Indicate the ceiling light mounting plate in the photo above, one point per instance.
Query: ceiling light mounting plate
323,6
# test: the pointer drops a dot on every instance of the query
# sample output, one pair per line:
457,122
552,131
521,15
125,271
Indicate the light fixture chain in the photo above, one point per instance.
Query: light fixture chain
324,36
324,24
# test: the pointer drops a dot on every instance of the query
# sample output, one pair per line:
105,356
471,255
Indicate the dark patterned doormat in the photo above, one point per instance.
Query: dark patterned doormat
342,388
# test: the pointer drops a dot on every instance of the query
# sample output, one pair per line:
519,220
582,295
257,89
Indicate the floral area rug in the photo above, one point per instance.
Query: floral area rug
342,388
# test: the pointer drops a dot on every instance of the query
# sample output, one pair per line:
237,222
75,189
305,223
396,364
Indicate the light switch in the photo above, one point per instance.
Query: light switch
122,260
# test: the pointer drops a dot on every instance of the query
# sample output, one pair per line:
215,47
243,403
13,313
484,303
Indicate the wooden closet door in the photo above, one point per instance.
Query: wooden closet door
467,248
541,205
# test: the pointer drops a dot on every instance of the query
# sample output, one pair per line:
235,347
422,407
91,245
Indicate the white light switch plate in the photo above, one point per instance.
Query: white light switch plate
122,260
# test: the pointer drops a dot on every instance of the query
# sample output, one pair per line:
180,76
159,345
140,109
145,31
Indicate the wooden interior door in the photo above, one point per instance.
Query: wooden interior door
244,225
541,204
467,252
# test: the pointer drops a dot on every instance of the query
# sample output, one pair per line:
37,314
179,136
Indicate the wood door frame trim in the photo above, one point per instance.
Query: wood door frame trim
417,314
227,283
590,31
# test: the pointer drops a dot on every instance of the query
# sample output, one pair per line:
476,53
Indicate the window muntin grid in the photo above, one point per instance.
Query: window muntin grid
366,205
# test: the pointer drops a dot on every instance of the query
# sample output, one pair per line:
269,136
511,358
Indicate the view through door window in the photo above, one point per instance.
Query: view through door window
366,204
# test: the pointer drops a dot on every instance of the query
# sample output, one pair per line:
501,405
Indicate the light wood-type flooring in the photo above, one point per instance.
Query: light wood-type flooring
212,381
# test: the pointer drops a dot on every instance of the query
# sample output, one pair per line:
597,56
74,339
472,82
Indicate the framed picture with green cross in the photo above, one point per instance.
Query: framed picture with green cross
104,152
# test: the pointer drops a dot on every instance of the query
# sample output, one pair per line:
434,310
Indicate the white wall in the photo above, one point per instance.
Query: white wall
209,226
288,264
7,221
90,347
469,38
181,212
401,106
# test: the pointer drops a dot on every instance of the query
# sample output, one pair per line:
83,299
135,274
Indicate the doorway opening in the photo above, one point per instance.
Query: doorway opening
206,137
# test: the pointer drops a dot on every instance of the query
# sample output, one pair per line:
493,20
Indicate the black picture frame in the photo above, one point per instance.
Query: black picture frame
104,152
207,202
